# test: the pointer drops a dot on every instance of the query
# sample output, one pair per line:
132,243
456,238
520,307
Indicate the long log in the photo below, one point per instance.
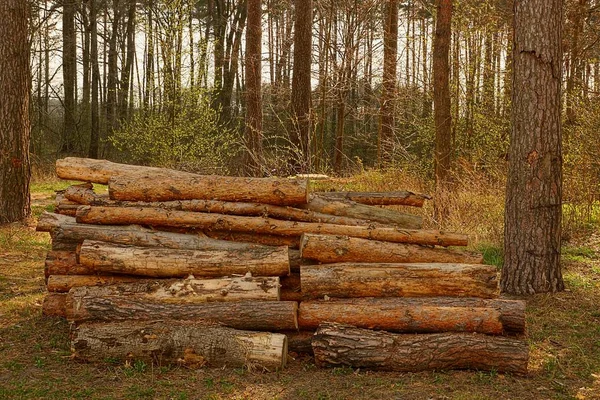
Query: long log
293,242
336,249
159,262
64,283
98,171
83,195
159,217
349,280
347,208
398,198
168,186
54,305
190,291
425,315
343,345
251,315
189,344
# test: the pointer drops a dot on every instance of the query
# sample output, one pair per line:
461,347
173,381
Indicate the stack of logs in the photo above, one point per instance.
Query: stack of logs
174,267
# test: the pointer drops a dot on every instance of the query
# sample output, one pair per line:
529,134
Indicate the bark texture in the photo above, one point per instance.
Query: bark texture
336,249
399,280
64,283
426,315
15,86
532,229
269,226
168,263
190,344
344,345
399,198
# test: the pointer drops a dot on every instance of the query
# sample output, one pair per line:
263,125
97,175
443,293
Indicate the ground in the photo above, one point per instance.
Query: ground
563,332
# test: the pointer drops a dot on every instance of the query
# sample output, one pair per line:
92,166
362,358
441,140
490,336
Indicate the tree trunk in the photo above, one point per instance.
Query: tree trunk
388,87
254,116
427,315
336,249
190,344
69,67
441,101
399,198
348,208
343,345
190,291
532,229
256,225
252,315
64,283
15,128
167,263
398,280
301,87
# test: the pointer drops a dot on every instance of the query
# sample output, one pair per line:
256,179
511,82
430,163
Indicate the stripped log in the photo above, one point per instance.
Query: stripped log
54,305
189,291
64,283
189,344
98,171
425,315
399,280
169,186
83,195
335,249
64,263
337,345
293,242
159,262
398,198
159,217
347,208
83,305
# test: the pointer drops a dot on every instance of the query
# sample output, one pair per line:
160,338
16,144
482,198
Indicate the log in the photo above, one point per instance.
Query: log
64,263
347,208
159,262
185,343
251,315
336,249
64,244
191,290
269,226
397,198
293,242
337,345
66,228
425,315
349,280
64,283
98,171
290,287
168,186
83,195
54,305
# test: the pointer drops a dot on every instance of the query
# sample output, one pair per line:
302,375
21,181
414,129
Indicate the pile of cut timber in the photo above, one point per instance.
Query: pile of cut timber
174,267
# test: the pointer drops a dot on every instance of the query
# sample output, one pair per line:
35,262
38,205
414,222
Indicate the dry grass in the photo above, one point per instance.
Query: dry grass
563,333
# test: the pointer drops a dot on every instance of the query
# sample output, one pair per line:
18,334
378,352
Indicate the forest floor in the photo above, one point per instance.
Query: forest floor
563,331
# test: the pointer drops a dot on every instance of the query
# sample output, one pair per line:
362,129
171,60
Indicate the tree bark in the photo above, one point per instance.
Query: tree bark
398,280
427,315
269,226
254,114
64,283
441,101
190,344
399,198
62,262
99,171
301,87
336,249
69,68
252,315
84,195
532,229
343,345
15,128
348,208
168,263
191,291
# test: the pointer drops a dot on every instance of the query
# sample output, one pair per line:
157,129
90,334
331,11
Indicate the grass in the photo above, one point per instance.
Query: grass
563,331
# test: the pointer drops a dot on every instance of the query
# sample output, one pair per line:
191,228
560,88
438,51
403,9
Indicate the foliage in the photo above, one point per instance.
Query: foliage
184,136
